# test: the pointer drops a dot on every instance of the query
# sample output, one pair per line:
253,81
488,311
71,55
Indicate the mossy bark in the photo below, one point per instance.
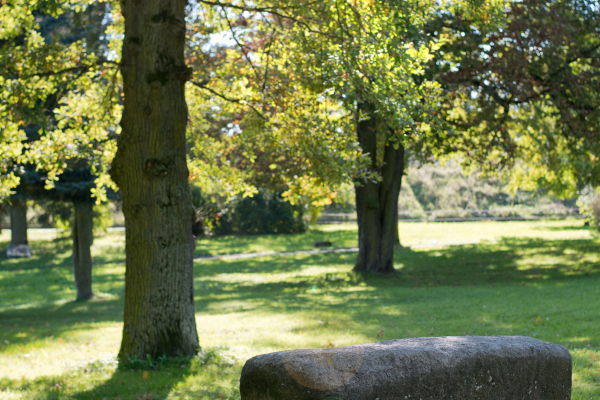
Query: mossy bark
377,202
150,169
18,222
83,238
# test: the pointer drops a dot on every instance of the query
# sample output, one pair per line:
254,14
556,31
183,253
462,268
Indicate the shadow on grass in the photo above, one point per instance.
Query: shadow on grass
521,279
34,293
508,261
46,254
532,287
254,282
576,226
232,244
23,326
528,262
201,378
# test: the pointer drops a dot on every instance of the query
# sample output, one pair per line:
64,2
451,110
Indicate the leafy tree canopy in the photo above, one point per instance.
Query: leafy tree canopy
524,94
59,90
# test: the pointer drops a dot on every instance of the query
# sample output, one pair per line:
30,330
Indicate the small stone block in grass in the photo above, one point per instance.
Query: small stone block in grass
444,368
18,251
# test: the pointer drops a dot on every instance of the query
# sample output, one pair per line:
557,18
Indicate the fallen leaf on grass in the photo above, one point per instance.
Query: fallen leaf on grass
146,375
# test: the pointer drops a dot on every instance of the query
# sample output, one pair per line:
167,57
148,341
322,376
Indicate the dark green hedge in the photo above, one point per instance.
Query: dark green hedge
261,214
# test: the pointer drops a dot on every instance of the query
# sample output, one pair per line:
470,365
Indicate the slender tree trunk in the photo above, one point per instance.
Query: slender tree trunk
19,245
83,237
150,169
18,222
377,202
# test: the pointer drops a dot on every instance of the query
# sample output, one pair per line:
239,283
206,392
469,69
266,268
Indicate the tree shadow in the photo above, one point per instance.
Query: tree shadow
579,226
510,260
232,244
526,262
530,275
21,327
532,287
198,378
46,254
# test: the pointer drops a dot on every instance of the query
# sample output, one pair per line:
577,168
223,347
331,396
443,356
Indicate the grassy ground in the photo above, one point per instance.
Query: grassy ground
412,234
537,279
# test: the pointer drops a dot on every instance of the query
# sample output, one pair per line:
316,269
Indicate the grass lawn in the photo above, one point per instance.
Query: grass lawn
537,279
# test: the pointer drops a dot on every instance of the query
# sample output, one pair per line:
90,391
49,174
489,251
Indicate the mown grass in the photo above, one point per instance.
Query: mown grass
537,279
412,234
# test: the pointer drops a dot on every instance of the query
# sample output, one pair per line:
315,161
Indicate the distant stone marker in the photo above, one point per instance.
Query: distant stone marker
445,368
18,250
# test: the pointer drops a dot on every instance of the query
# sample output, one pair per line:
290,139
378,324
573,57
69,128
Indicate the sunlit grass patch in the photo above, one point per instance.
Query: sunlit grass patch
537,279
202,378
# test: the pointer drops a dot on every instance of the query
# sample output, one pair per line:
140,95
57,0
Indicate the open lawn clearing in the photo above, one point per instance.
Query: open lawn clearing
411,234
540,280
110,248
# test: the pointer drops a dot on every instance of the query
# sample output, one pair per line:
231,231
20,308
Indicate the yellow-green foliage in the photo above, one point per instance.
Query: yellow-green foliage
102,218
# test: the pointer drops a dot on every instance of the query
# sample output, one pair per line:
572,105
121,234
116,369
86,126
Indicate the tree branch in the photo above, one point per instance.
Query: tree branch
270,10
79,68
202,85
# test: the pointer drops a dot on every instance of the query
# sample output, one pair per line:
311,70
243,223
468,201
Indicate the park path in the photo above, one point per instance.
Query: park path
241,256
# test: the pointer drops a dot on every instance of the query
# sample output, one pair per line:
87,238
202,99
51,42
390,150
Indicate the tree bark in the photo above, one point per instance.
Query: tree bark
377,202
18,222
83,237
19,246
151,171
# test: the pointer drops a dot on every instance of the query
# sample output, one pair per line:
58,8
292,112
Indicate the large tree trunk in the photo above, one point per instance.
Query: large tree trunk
83,237
377,202
150,169
19,245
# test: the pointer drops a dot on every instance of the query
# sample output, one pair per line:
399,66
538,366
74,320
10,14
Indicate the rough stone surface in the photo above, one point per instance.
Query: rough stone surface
452,368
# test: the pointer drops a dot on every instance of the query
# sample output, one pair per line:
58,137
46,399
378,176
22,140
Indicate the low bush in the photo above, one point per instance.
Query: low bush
263,213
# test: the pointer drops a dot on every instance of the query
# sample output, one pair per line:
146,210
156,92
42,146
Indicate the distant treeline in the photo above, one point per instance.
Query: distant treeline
436,186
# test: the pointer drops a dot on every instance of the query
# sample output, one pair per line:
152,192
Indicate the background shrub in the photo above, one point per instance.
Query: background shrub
265,212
